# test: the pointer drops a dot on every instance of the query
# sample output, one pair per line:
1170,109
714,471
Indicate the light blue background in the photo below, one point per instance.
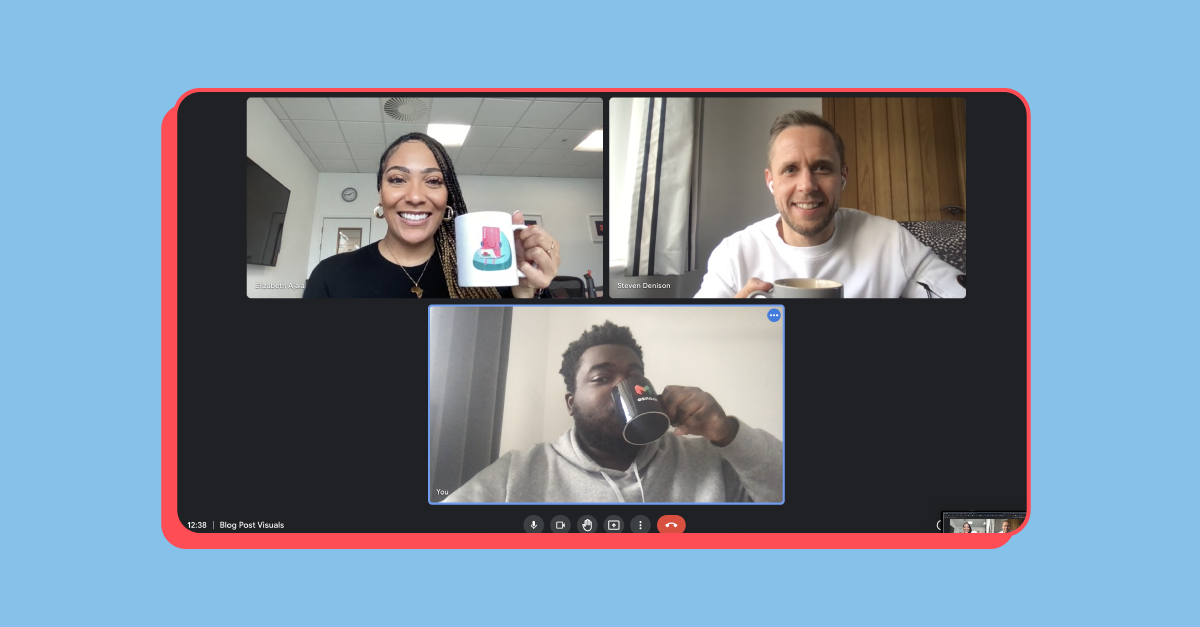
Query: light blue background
1112,89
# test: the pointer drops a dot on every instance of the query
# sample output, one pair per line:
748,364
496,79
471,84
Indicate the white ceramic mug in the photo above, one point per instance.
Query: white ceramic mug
487,253
801,288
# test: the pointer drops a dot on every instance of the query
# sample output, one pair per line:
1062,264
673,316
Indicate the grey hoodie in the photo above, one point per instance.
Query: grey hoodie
674,469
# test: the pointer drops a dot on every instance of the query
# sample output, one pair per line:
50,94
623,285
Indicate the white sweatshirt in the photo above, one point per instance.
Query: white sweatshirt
674,469
872,257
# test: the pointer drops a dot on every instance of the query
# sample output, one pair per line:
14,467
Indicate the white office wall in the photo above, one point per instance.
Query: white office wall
563,203
270,146
733,353
330,205
733,190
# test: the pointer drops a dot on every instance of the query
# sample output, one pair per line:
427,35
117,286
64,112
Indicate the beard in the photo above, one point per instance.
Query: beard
601,429
812,229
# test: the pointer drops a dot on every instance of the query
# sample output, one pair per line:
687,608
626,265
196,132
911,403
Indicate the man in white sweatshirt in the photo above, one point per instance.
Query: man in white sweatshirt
812,238
592,463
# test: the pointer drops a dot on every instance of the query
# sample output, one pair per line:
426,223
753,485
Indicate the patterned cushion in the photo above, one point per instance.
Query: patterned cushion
947,238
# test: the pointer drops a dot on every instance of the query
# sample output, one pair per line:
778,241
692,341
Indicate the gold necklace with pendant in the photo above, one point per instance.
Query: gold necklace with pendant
416,288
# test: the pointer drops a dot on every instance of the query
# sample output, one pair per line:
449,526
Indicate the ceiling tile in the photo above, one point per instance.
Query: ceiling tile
578,157
587,116
559,170
291,128
542,114
487,135
564,140
320,131
308,151
362,132
367,167
597,159
475,154
511,155
356,109
394,130
499,169
563,99
500,112
454,110
468,169
339,165
274,104
530,169
307,108
589,172
527,137
453,152
368,152
317,164
325,152
547,157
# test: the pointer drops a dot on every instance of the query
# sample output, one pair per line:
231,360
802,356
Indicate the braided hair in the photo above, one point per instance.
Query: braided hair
443,239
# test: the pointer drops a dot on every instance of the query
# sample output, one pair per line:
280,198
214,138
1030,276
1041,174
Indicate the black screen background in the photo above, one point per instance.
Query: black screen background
893,426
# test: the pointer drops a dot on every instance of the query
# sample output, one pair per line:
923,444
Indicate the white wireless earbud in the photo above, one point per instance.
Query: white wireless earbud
771,186
843,182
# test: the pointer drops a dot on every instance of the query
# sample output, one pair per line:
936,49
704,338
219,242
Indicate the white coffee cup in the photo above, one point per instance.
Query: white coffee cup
487,253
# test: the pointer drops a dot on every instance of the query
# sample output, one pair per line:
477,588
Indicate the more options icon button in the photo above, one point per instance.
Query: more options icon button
671,524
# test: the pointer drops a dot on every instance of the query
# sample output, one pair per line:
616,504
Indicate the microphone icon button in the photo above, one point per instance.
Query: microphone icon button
534,524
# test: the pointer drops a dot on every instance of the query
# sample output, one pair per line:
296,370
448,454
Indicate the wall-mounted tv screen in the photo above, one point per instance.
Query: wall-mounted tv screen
266,205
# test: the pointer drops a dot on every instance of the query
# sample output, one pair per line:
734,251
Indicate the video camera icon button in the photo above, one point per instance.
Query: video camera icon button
560,524
534,524
614,524
587,524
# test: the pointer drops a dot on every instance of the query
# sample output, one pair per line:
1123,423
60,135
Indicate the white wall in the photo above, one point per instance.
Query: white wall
562,203
330,205
270,146
733,353
733,192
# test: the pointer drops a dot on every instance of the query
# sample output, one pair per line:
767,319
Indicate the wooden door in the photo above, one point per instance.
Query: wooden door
907,156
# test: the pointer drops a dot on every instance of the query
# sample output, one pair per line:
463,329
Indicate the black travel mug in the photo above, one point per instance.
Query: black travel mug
638,406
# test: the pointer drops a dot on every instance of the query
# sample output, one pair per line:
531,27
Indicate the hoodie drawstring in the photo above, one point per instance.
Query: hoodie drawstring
613,484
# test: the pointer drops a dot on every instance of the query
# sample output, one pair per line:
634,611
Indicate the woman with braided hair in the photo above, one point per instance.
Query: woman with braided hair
419,197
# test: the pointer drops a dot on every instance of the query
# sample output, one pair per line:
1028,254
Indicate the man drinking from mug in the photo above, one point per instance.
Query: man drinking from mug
592,462
812,238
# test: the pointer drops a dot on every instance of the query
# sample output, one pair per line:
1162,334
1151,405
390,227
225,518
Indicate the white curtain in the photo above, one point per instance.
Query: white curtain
468,367
661,168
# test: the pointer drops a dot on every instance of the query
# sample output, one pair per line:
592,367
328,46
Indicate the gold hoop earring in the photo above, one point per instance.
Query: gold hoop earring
378,211
449,217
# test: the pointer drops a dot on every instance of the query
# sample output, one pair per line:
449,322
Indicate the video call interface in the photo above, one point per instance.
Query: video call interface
597,312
